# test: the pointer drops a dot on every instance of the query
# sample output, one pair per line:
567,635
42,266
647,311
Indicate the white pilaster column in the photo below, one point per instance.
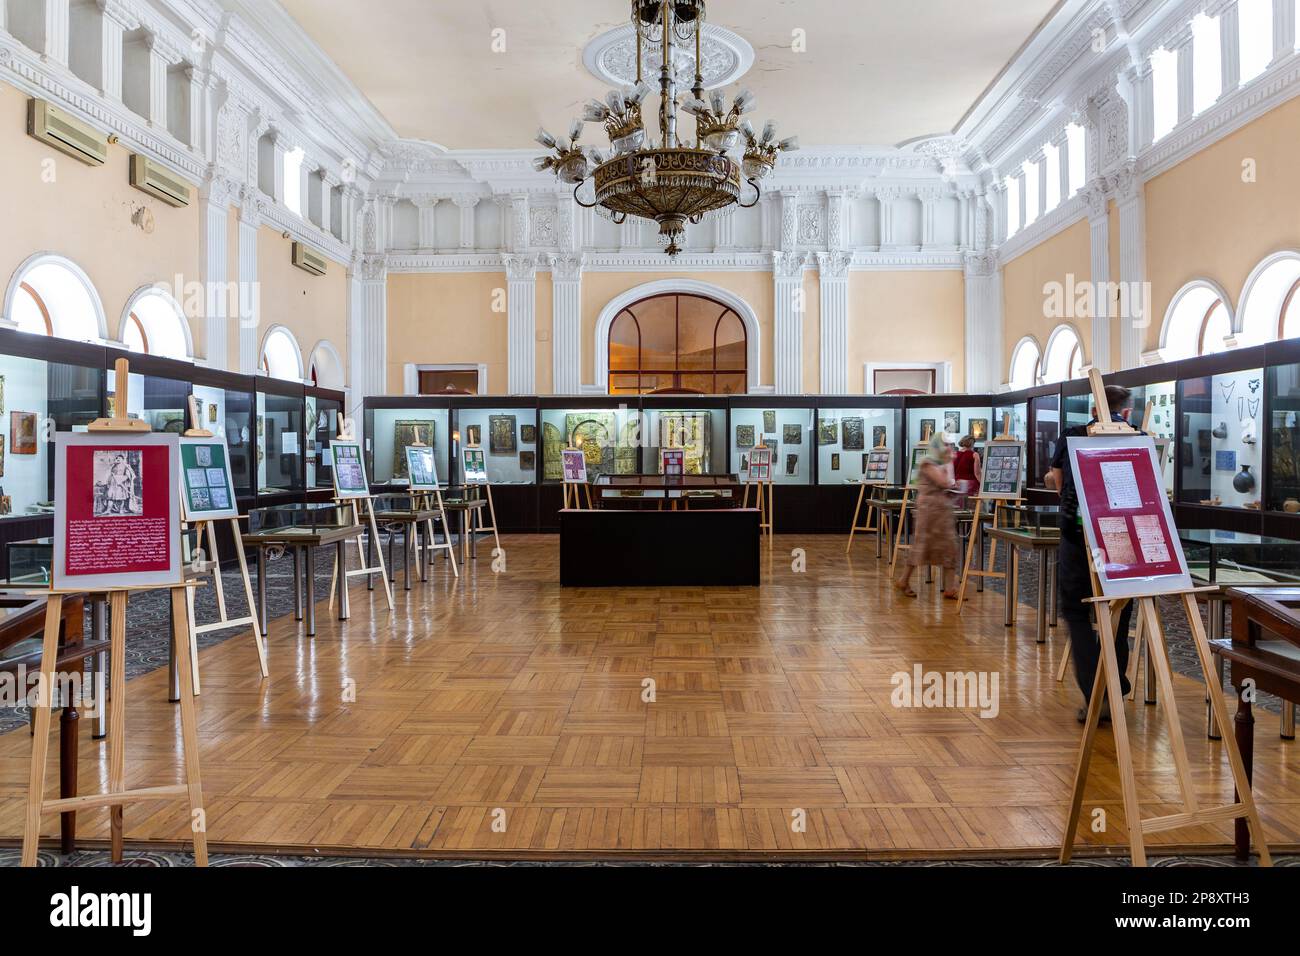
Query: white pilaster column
326,184
56,30
114,22
1134,314
788,313
305,175
518,223
248,306
887,197
466,206
348,215
1099,234
428,212
1229,45
629,234
4,16
214,261
521,305
929,202
767,238
983,352
837,219
998,200
367,333
1185,50
1040,160
789,234
724,229
159,62
280,148
964,209
1283,29
1022,193
833,280
1142,103
1062,143
566,322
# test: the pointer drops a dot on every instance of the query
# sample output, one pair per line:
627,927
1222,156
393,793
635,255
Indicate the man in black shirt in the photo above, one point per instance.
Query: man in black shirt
1074,582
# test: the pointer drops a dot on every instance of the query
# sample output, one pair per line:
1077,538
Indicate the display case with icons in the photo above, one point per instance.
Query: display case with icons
1283,397
695,425
610,434
392,423
280,439
226,405
508,435
845,437
322,410
785,427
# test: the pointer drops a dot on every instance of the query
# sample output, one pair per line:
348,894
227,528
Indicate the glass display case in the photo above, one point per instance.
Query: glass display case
788,431
610,437
1233,558
308,518
29,561
508,437
228,414
322,413
279,440
1045,421
698,430
1284,437
844,437
42,379
1219,439
955,421
160,400
392,424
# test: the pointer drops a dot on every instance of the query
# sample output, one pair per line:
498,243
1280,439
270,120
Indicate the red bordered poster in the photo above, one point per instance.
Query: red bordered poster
1126,516
116,510
672,462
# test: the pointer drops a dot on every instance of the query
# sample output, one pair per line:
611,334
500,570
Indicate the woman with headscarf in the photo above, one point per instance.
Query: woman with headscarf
934,537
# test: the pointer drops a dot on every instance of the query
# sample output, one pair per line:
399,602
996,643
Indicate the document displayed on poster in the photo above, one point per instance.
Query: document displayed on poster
288,443
116,510
421,468
1126,515
349,472
575,466
207,488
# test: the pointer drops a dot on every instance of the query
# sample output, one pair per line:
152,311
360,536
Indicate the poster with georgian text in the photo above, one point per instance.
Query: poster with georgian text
116,511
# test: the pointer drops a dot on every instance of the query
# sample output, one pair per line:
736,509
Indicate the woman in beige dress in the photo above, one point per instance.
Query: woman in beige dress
934,537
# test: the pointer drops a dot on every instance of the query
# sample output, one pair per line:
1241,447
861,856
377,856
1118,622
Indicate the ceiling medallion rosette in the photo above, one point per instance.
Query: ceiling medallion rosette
671,182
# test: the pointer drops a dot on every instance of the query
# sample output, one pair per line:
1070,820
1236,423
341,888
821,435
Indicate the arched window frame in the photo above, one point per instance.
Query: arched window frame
1074,362
264,361
1176,315
131,314
628,312
1028,342
18,284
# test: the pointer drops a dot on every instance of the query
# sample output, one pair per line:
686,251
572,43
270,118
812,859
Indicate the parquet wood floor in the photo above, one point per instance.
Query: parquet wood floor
502,714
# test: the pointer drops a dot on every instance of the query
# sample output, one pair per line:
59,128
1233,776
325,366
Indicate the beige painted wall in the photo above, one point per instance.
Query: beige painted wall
1023,279
313,308
1203,221
906,317
447,318
53,203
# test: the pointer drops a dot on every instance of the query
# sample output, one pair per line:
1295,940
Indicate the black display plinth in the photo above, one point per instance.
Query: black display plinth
609,548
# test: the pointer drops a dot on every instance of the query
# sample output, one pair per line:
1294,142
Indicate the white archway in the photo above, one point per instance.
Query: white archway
1267,291
1199,307
1025,360
49,294
281,356
685,287
327,364
154,322
1064,358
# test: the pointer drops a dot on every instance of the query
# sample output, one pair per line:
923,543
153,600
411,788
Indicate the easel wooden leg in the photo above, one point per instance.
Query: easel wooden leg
41,738
857,511
379,553
117,700
1146,608
259,639
189,737
216,569
970,554
192,637
1137,658
1239,778
1081,765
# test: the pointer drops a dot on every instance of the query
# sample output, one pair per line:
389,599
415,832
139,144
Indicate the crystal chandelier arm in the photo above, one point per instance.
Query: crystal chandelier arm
758,194
584,205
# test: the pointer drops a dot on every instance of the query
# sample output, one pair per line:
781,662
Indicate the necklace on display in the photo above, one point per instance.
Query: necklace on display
1253,385
1227,392
1252,406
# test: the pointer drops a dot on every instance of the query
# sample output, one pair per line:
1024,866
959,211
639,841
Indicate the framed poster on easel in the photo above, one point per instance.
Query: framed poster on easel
1002,480
760,477
349,471
474,467
207,487
422,474
1003,475
1136,556
875,472
574,462
876,466
672,462
352,487
919,451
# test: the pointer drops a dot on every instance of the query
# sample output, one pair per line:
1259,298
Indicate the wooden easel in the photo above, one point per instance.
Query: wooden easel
476,526
224,620
999,504
874,513
422,500
573,500
766,497
116,797
902,520
1108,680
345,434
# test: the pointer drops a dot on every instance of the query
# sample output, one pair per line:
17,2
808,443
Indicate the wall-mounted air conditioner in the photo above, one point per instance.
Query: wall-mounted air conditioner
57,128
309,260
158,181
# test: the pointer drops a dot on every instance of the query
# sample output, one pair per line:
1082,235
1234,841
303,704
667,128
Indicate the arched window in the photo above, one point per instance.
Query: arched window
1064,358
1024,364
50,295
1198,323
281,357
326,368
1268,302
678,341
155,324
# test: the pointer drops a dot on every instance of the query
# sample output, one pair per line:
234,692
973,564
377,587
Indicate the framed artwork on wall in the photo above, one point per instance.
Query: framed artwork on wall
501,434
22,433
405,433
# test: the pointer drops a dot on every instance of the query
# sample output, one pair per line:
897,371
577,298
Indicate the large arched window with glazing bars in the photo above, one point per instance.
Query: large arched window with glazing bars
677,342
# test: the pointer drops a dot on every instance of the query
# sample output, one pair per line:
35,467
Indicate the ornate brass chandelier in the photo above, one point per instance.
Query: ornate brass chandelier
669,183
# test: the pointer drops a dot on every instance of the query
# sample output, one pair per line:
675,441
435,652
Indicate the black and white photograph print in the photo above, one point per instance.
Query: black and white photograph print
119,489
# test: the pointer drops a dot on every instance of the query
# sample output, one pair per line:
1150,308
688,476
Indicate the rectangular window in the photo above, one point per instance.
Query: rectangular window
1164,85
1206,62
1032,212
293,181
1053,177
1255,26
1013,205
1076,139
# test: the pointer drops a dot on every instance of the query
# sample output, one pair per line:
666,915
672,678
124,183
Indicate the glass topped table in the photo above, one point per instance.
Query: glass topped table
300,529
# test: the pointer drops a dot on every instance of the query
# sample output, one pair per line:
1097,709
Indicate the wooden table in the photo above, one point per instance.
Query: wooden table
1042,543
1265,650
303,541
468,538
412,521
22,619
616,491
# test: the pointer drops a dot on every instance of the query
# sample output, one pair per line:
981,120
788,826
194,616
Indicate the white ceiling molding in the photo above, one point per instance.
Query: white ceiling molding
611,58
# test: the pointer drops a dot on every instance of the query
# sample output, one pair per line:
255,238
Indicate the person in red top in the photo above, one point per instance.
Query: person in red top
966,467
